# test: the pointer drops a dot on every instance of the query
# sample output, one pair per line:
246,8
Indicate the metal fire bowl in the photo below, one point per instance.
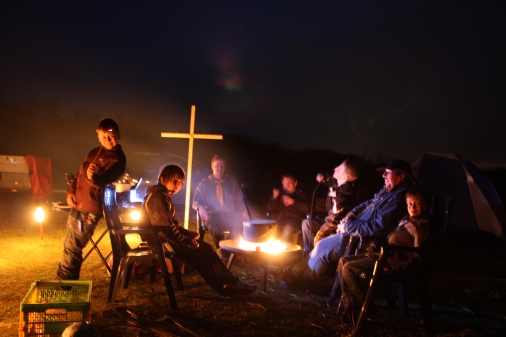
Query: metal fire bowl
292,254
259,230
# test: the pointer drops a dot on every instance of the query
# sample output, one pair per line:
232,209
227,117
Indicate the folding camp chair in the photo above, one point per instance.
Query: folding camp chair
420,279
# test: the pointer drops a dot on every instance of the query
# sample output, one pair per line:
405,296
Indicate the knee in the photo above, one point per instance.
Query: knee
288,229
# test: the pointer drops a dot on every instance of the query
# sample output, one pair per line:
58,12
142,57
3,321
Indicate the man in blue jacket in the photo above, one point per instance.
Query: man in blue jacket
375,218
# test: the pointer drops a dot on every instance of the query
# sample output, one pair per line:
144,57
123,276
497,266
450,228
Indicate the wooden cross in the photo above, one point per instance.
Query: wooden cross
191,136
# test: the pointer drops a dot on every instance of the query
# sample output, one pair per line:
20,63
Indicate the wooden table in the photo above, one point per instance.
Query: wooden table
292,254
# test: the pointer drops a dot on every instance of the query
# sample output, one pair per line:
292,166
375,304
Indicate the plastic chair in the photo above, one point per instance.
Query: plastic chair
419,280
124,257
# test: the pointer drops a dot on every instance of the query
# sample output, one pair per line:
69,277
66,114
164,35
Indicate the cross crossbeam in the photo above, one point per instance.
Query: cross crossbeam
191,136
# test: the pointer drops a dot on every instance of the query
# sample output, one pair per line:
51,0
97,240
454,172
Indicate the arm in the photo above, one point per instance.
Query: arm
161,213
346,199
301,202
380,218
273,202
422,232
108,167
200,201
71,192
360,208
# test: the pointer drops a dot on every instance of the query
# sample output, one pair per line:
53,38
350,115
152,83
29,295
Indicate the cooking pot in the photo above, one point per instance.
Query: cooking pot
259,230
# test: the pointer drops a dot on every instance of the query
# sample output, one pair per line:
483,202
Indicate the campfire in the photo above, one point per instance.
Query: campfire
272,246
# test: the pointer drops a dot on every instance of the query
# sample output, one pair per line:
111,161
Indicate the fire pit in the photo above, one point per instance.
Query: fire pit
264,248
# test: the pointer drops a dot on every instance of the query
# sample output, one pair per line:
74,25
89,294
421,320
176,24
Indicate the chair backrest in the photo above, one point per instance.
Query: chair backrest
110,208
438,219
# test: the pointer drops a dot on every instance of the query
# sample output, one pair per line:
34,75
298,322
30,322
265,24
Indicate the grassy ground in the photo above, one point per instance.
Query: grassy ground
468,292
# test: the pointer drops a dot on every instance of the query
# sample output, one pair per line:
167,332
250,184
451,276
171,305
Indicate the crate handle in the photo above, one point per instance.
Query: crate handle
54,311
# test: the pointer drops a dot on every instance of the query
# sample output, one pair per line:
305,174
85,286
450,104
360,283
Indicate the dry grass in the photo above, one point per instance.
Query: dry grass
469,293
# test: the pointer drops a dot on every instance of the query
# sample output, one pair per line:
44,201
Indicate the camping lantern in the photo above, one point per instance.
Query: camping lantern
39,217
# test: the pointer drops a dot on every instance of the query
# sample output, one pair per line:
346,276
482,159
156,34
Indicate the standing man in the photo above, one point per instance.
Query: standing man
219,201
375,218
340,200
103,165
292,204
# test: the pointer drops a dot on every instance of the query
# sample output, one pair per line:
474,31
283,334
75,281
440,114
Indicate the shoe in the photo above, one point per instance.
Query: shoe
239,289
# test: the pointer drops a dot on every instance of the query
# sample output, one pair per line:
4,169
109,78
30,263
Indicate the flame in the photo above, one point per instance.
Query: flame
271,247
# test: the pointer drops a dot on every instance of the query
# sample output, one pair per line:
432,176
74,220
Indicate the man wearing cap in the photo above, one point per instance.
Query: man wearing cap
375,218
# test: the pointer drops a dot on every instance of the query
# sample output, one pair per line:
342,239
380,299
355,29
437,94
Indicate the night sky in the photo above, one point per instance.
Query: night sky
374,78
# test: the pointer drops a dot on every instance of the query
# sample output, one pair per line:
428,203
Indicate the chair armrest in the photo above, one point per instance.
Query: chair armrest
150,231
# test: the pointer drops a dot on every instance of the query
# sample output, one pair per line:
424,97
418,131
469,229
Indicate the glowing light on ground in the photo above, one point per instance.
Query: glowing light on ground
39,215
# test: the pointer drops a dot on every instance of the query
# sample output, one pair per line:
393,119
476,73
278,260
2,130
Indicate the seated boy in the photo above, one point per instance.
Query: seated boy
412,231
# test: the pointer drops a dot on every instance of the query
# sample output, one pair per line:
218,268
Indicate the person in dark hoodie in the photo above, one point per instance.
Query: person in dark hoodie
341,199
103,165
158,210
292,204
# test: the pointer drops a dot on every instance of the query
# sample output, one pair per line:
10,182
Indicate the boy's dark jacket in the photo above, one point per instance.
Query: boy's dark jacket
88,193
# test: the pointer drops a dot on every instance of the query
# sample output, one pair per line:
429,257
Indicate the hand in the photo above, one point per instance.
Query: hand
340,228
287,200
319,177
349,216
71,200
194,244
194,235
275,193
203,213
92,169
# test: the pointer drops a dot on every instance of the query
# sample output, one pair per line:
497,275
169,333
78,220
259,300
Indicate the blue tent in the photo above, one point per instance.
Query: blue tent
475,203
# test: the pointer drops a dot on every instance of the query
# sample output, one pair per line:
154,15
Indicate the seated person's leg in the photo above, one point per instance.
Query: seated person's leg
326,253
348,280
207,263
359,271
291,227
309,230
